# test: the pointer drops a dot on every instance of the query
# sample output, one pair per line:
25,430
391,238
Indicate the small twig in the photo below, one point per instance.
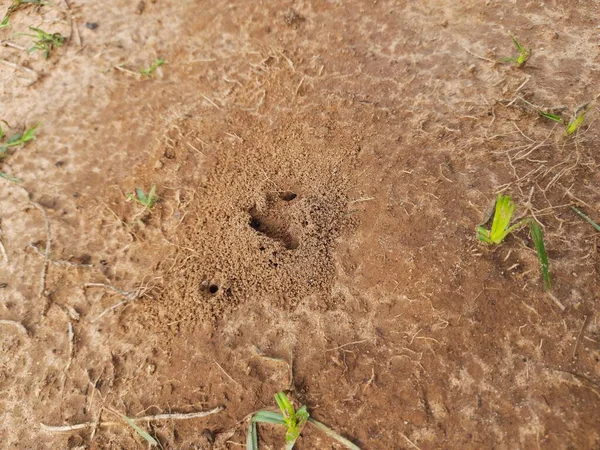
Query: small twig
21,68
226,374
110,287
44,271
479,56
579,335
71,338
195,149
557,302
345,345
409,441
370,379
127,296
12,45
121,68
74,28
69,361
582,381
2,249
60,262
210,101
18,325
362,199
176,416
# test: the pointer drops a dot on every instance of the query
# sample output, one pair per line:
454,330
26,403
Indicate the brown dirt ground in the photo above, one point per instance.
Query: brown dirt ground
321,167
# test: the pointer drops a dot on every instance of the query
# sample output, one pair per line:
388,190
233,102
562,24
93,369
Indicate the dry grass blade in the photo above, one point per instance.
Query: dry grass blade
18,325
157,417
332,434
153,442
586,218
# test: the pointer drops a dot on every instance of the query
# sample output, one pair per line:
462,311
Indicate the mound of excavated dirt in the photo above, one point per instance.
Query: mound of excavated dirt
263,224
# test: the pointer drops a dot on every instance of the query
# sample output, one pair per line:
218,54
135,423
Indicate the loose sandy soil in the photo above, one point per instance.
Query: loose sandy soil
321,168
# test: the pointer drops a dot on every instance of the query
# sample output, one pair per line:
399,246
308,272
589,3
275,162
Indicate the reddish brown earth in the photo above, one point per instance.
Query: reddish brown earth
321,168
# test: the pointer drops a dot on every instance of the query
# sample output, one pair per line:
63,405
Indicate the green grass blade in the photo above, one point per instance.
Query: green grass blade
268,417
29,134
517,226
332,434
252,438
286,407
505,209
289,414
483,235
153,442
586,218
9,178
141,195
538,241
15,139
151,196
574,124
520,48
155,65
554,117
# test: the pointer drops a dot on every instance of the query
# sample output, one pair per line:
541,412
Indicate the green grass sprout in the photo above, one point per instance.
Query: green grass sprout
294,420
501,228
45,42
586,218
524,53
503,213
155,65
147,200
576,120
16,140
15,5
153,442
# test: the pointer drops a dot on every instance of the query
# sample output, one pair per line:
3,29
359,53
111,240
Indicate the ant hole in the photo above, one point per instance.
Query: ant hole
213,288
287,196
255,223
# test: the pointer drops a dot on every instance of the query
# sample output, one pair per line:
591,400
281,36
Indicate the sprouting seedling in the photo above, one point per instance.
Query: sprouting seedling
503,213
15,5
45,42
586,218
576,120
294,420
15,140
524,53
501,228
155,65
147,200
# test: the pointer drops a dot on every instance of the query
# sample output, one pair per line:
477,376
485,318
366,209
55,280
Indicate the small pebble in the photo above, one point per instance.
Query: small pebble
91,25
